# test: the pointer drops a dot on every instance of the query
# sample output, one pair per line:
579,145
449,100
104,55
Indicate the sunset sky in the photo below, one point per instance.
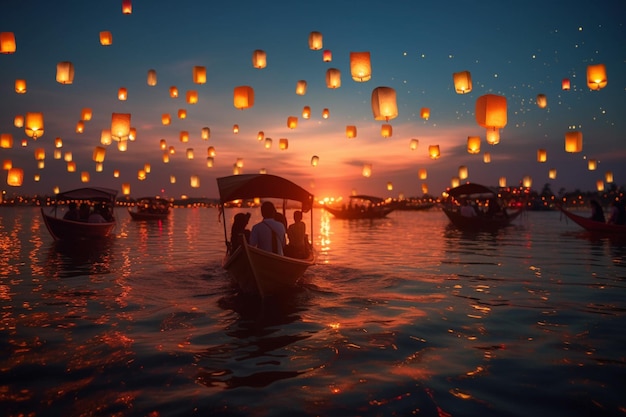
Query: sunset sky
514,49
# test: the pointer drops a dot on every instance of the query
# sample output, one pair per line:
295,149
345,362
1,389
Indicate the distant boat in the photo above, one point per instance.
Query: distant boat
479,197
410,206
362,207
593,225
72,230
150,208
255,270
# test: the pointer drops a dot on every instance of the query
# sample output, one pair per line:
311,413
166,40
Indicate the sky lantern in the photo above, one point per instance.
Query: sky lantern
596,76
267,143
243,97
183,136
360,66
173,92
542,101
260,136
491,114
199,74
98,154
120,126
126,188
6,140
235,129
325,113
259,59
315,41
455,182
433,151
592,164
7,42
292,122
413,144
57,154
86,114
210,161
192,96
205,133
65,72
424,188
327,55
351,131
116,173
122,145
283,144
189,153
608,176
141,174
36,177
463,172
24,143
84,176
502,182
527,181
552,173
40,154
574,141
34,125
15,177
211,151
80,126
422,173
473,145
18,121
58,142
565,84
127,7
239,163
384,105
165,157
301,87
542,155
152,78
315,160
425,113
333,78
105,137
389,186
462,82
122,94
166,119
487,157
171,150
182,113
306,112
67,157
20,86
600,185
71,166
367,170
106,38
386,130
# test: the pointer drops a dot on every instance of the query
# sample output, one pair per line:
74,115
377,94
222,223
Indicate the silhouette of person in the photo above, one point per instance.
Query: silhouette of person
72,212
296,232
268,234
238,231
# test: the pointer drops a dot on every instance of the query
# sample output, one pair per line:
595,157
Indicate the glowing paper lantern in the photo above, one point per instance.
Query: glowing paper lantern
18,121
542,155
84,176
487,157
106,38
384,105
105,137
7,164
389,186
127,7
360,66
292,122
333,78
315,41
199,74
386,130
573,141
141,175
235,129
166,119
80,126
565,84
120,126
182,113
502,182
267,143
24,143
57,154
165,157
413,144
71,166
239,163
463,172
7,42
592,164
552,173
454,182
351,131
86,114
152,78
133,134
301,87
40,154
116,173
58,142
600,185
15,177
283,144
211,151
34,125
36,177
122,145
189,153
425,113
327,55
20,86
491,113
172,179
192,97
306,112
183,136
608,176
596,76
210,162
260,136
367,170
462,82
205,133
99,154
171,150
527,181
126,188
173,92
542,101
315,160
6,141
259,59
122,94
67,157
325,114
433,151
243,97
424,188
422,173
473,144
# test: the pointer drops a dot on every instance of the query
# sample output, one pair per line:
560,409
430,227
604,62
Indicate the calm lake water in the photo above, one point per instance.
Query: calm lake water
401,316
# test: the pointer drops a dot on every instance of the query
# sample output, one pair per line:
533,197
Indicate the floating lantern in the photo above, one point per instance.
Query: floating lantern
239,163
146,167
20,86
36,177
56,189
425,113
172,179
389,186
600,185
122,94
315,41
40,154
15,177
80,126
608,176
360,66
210,162
99,166
152,78
473,144
542,155
413,144
260,136
122,145
165,157
41,164
422,174
462,82
259,59
192,96
565,84
182,113
171,150
306,112
127,7
454,182
199,74
7,43
243,97
57,154
552,173
384,105
67,157
327,55
173,92
141,175
24,143
351,131
433,151
120,126
236,170
205,133
116,173
99,154
424,188
573,141
105,137
386,130
106,38
315,160
596,76
235,129
126,188
18,121
367,170
166,119
71,166
292,122
502,182
163,144
211,151
34,125
542,101
301,87
183,136
189,153
592,164
487,157
325,114
463,172
58,142
491,114
6,141
86,114
527,181
268,143
283,144
333,78
84,176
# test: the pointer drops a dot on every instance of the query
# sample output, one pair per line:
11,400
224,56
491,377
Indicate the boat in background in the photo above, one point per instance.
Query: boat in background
362,207
490,213
593,225
150,208
74,230
254,270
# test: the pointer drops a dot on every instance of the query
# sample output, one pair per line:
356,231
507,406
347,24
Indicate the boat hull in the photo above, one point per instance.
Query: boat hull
62,229
479,223
594,226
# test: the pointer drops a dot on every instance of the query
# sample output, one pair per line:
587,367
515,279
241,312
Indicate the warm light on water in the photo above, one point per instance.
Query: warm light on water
401,316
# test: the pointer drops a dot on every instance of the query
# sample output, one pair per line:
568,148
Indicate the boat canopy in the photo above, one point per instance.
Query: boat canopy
88,193
471,190
249,186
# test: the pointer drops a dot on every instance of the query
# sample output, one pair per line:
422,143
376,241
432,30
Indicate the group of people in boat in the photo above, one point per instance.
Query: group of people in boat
272,233
99,213
491,209
617,212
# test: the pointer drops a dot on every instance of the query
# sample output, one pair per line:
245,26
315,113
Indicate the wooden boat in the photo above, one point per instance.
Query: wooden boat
150,208
72,230
482,197
594,226
362,207
255,270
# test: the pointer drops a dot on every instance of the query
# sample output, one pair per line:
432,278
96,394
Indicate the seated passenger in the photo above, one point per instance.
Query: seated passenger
238,231
296,232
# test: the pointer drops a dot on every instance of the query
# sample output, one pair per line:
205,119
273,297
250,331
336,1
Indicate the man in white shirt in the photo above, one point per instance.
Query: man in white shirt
268,234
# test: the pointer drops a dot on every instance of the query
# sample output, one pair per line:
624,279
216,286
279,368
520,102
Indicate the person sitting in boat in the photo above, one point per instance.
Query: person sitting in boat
96,216
238,231
597,214
467,210
72,212
296,232
618,213
268,234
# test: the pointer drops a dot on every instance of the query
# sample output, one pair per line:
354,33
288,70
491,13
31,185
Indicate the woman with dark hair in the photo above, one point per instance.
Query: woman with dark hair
238,231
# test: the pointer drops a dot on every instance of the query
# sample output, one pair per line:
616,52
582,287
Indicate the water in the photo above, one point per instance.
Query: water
401,316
